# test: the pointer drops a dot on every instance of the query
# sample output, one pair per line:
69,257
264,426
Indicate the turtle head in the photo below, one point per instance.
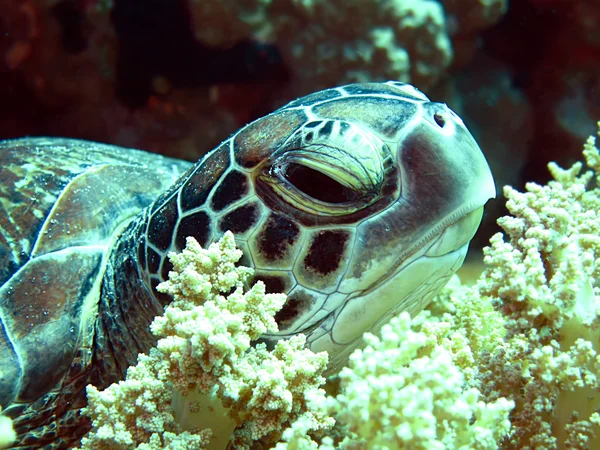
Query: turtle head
374,198
357,202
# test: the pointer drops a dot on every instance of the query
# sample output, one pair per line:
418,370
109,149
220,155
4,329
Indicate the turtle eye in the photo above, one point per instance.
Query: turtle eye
317,185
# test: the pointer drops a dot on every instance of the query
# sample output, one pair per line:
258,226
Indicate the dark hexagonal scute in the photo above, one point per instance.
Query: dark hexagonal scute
275,282
162,225
295,304
277,237
141,257
241,219
232,188
203,178
153,260
258,140
196,225
326,251
383,115
326,130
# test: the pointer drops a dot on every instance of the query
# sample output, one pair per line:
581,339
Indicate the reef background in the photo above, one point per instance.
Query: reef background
177,76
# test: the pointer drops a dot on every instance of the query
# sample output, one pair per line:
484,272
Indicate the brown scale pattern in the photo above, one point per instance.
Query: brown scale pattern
233,187
162,226
197,225
326,251
204,177
255,143
295,303
277,237
241,219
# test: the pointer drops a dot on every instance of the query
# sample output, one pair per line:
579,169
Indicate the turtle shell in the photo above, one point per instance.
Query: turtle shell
62,203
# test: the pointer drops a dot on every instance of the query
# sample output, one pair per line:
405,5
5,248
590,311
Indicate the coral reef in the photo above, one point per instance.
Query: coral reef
127,73
403,391
532,320
203,382
400,392
526,332
333,42
204,366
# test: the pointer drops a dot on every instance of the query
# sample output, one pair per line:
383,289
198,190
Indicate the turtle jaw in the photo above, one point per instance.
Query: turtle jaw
409,285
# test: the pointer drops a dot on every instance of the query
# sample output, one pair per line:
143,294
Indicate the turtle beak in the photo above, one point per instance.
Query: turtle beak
443,165
451,172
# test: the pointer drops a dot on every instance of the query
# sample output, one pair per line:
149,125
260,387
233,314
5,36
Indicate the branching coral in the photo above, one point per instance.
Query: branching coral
533,319
401,392
203,379
545,280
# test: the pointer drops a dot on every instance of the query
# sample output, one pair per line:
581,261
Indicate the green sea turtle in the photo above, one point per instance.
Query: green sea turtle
358,202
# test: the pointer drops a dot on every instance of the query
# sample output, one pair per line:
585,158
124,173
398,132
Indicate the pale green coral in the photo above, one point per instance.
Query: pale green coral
544,279
532,320
203,379
401,393
7,433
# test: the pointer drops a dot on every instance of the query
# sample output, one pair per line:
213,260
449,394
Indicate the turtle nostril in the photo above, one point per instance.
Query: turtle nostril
439,119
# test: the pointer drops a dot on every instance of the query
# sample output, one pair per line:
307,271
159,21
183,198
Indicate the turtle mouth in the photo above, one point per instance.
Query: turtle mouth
452,235
449,235
408,285
456,234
